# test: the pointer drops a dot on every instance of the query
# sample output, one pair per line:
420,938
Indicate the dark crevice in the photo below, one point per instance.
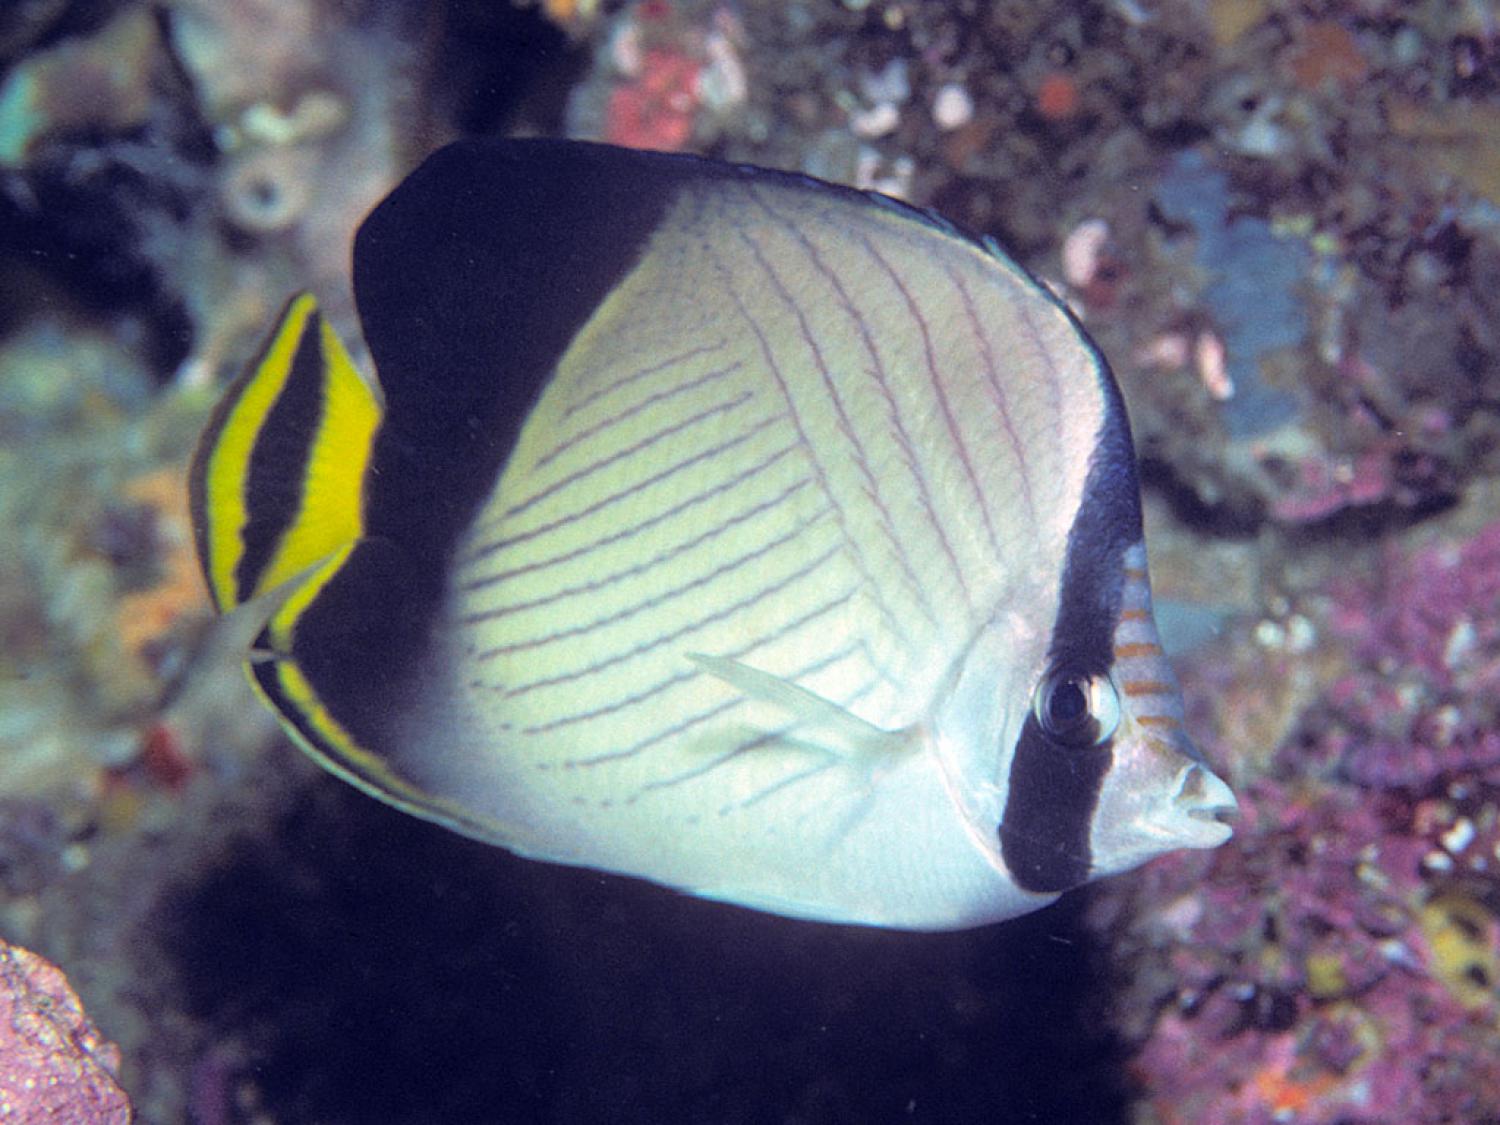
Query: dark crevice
383,969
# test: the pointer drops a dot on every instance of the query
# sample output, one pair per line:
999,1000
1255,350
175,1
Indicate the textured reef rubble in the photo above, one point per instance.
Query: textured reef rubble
54,1064
1280,219
1340,961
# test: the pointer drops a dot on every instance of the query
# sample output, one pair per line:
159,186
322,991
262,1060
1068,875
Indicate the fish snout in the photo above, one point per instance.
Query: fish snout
1202,808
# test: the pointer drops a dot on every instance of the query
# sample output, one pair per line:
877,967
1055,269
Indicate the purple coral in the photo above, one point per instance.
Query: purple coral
1421,706
54,1064
1300,986
1337,961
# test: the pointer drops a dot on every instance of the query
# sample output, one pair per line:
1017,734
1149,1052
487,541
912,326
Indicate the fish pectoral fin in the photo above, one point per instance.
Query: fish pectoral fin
820,721
247,625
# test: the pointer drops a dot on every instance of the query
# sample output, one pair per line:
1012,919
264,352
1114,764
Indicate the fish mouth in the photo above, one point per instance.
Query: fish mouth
1206,806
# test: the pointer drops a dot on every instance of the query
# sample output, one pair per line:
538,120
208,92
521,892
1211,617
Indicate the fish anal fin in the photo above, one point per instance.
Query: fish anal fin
335,662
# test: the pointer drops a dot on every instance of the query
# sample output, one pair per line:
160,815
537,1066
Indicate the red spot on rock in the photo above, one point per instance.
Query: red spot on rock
1327,54
1058,97
656,109
163,757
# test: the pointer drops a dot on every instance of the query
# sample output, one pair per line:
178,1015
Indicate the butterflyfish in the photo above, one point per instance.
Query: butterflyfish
765,538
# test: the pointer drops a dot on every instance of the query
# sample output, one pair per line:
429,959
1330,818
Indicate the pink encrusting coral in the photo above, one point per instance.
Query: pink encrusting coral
54,1065
1421,703
1310,975
674,72
1339,960
655,109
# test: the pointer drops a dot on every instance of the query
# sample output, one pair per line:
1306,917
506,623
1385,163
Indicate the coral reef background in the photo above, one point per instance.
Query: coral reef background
1281,221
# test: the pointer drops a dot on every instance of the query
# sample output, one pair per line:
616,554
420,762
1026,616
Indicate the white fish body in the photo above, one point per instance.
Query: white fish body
772,541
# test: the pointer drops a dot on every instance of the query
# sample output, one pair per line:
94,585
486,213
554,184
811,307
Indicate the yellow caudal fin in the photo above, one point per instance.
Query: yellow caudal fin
277,481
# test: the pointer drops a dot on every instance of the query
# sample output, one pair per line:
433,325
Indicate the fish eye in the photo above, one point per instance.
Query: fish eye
1076,708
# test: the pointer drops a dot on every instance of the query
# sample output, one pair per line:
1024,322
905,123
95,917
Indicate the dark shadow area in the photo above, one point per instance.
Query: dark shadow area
387,970
492,62
1238,517
77,241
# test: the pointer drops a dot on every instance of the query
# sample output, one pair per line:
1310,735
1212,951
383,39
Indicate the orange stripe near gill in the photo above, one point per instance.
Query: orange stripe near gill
1164,722
1161,746
1146,687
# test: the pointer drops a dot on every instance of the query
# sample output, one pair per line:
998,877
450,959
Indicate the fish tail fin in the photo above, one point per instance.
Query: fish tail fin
279,513
277,482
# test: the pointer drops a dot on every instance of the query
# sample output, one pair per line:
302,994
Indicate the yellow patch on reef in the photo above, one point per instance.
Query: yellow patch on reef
573,16
1230,19
1459,136
145,615
1325,976
1463,938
